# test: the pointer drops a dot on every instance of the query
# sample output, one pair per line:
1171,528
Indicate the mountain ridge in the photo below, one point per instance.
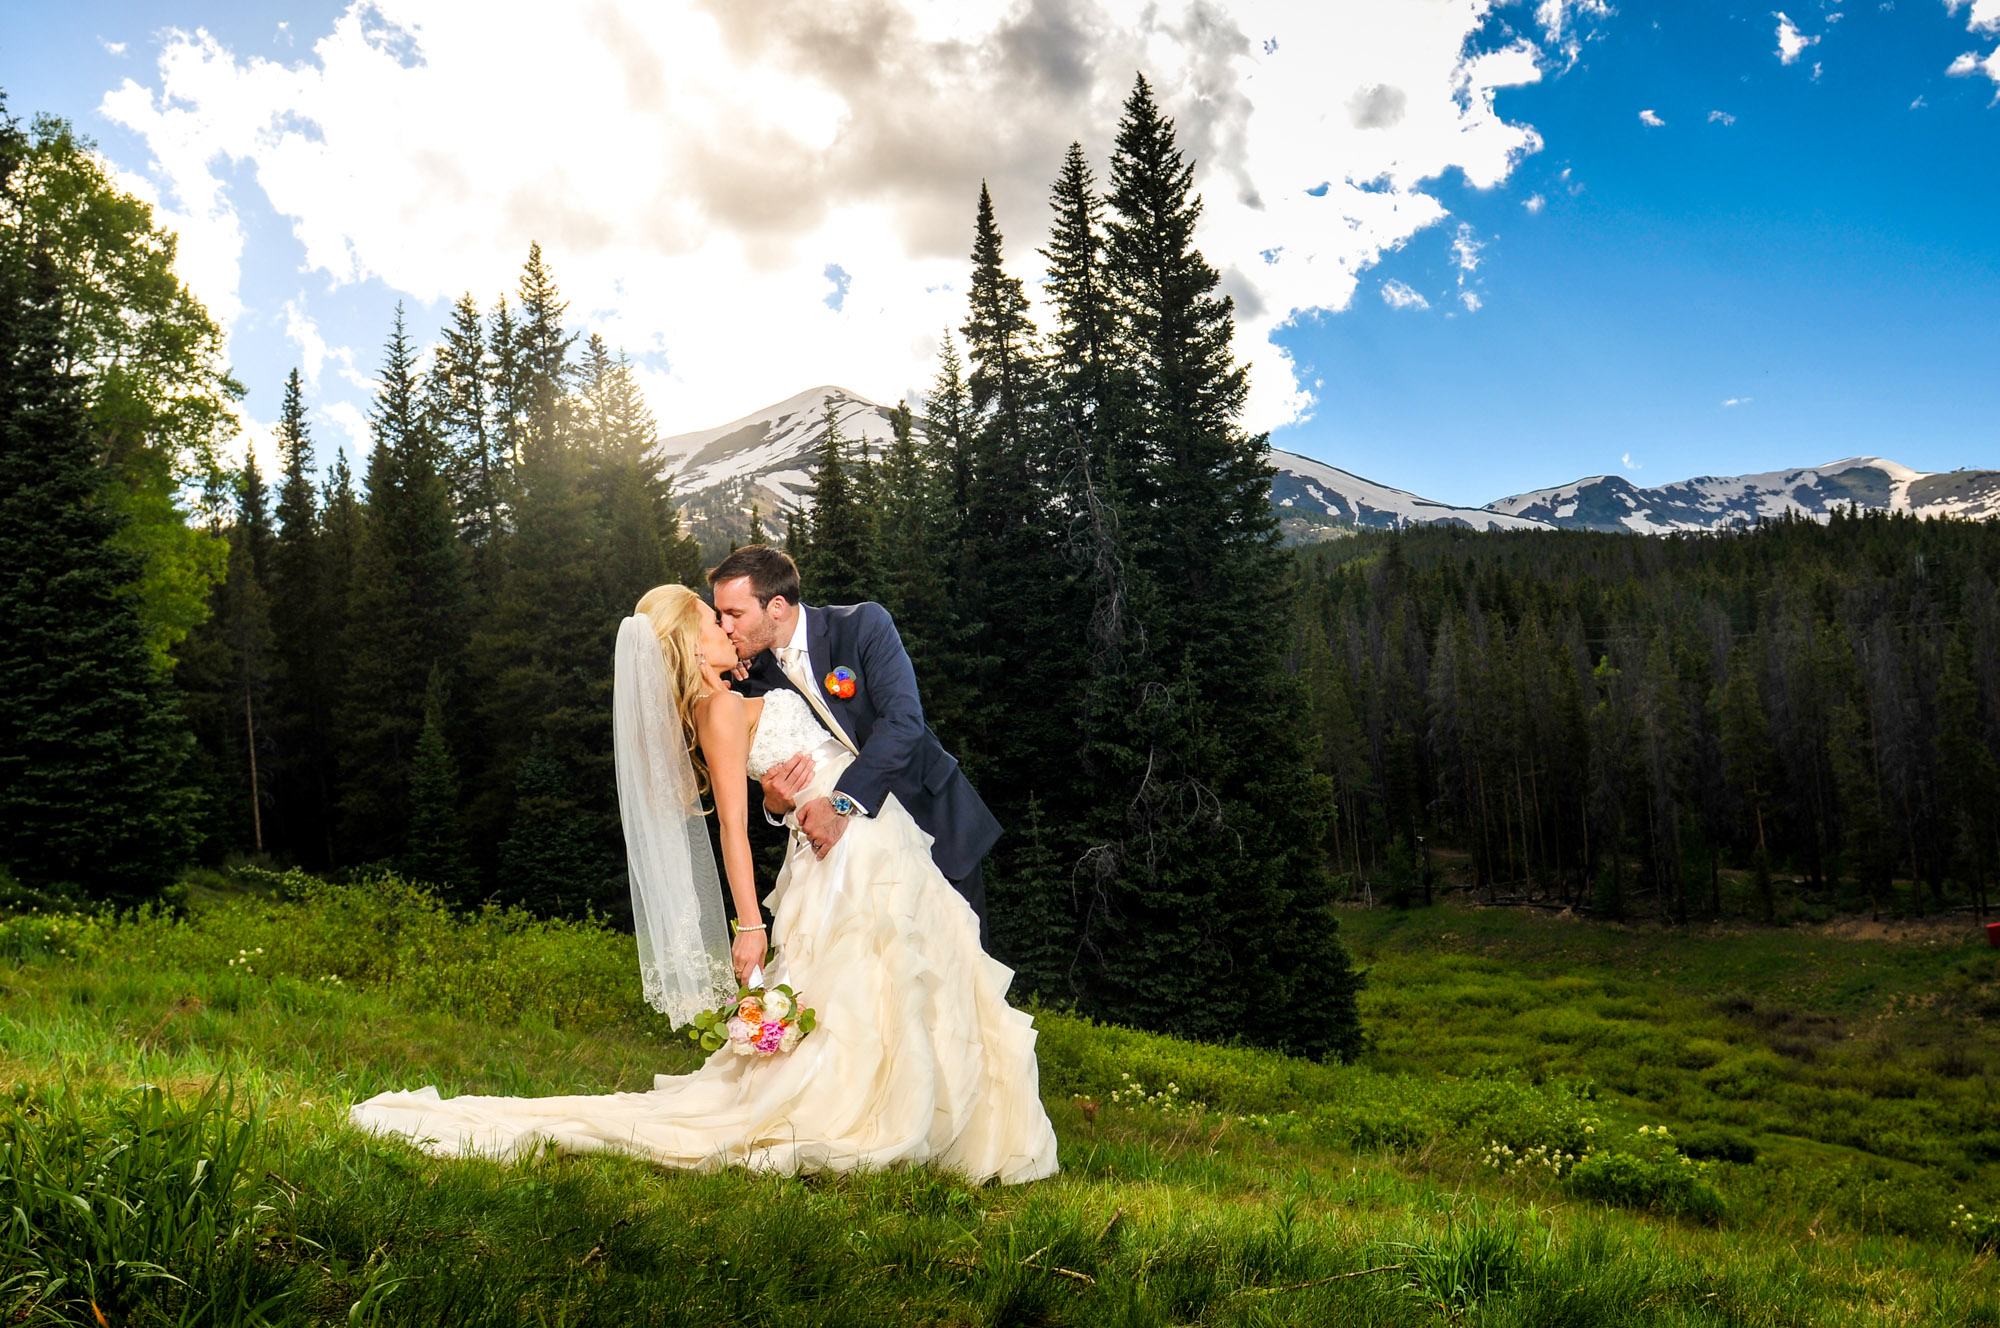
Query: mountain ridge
763,460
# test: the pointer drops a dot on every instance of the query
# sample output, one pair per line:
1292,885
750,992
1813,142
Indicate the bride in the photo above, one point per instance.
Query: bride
916,1055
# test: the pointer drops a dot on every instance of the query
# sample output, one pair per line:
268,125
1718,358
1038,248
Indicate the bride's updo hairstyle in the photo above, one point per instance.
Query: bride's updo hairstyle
677,614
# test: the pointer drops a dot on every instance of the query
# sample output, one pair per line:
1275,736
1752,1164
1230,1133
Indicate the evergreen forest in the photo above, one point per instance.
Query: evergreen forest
1201,743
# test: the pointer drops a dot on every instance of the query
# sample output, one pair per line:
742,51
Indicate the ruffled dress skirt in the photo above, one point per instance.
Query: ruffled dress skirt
916,1056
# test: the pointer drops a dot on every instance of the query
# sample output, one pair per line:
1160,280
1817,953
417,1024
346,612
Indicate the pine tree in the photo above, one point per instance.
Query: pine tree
1076,288
550,862
304,684
459,393
914,583
91,752
406,611
435,850
509,385
1209,895
1971,775
839,562
339,553
1747,760
542,346
244,622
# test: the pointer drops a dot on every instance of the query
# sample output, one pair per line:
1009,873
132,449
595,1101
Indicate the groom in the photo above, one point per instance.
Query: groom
851,667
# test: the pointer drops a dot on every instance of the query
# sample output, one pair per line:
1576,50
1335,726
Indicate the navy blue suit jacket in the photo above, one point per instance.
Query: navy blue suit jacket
885,718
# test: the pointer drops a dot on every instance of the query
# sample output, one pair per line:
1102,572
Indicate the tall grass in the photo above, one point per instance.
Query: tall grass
1200,1184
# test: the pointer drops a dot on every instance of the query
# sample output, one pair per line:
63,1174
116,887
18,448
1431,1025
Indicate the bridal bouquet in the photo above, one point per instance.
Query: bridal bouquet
762,1021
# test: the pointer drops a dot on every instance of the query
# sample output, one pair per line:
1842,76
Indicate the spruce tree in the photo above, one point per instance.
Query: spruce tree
339,555
244,623
459,393
839,563
550,861
91,751
406,610
434,853
1076,288
1747,760
542,347
302,704
1209,895
914,581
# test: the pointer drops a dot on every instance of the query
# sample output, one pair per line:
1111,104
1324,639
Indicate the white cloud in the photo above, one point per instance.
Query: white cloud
111,47
1561,33
1738,401
1723,118
713,159
1650,120
1791,42
1534,202
1471,301
1400,295
1981,15
1630,464
1971,63
346,416
1919,103
1465,247
303,332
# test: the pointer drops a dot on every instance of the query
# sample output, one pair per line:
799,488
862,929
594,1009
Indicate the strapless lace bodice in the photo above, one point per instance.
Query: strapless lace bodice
786,728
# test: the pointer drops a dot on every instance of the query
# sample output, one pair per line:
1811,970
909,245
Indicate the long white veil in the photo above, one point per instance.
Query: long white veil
684,963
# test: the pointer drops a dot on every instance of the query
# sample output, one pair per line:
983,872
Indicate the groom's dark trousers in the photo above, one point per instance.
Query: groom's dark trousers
898,752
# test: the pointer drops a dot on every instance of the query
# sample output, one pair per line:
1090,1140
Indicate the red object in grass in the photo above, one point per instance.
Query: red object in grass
1993,934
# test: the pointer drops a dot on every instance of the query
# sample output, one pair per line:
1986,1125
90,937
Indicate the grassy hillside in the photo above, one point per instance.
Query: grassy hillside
1826,1102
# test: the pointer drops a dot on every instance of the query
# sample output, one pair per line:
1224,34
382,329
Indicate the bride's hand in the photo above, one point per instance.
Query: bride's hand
746,953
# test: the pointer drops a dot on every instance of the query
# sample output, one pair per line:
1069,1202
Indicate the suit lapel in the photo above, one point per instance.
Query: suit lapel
818,666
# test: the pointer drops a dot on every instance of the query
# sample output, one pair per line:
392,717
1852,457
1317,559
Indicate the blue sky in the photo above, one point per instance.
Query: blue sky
1821,252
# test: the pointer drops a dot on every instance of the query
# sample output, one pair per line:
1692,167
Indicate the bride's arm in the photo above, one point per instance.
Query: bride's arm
724,730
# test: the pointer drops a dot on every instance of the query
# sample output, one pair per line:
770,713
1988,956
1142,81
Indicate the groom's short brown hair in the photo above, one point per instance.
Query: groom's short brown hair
771,571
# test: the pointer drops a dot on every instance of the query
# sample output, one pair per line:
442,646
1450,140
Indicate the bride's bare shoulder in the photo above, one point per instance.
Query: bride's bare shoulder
724,712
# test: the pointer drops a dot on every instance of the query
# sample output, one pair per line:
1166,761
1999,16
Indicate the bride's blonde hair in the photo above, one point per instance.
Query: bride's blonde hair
678,616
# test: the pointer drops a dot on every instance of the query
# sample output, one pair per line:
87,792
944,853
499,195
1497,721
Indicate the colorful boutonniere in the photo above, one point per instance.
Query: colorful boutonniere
840,682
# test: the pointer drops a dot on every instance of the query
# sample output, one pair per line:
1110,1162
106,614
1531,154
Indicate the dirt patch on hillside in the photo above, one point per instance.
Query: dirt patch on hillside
1942,929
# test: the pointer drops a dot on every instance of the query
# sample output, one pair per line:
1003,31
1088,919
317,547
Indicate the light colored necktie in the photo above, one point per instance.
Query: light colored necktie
792,659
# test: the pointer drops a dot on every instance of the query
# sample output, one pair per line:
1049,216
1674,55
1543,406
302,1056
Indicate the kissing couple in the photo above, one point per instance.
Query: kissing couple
876,915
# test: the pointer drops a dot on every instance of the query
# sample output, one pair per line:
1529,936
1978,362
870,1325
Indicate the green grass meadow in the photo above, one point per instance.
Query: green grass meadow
1560,1123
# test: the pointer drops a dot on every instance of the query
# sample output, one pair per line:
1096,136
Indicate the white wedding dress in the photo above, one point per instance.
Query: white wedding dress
916,1056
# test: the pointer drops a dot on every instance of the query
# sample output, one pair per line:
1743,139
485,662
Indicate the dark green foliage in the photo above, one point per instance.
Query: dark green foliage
91,751
434,853
1206,895
1667,1185
1773,722
839,563
405,613
551,861
139,1210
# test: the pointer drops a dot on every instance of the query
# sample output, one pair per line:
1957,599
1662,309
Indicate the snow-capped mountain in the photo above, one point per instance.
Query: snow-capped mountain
1309,494
769,453
1612,502
765,460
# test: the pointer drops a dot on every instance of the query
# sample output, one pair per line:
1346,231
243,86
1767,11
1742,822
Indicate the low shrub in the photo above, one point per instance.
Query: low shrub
1651,1175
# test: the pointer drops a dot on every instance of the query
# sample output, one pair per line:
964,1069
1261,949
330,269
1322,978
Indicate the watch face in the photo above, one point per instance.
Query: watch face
842,804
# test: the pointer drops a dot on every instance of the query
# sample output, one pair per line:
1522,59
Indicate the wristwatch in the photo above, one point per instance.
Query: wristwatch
842,804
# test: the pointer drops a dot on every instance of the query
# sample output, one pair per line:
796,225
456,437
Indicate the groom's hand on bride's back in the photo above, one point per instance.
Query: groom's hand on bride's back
783,782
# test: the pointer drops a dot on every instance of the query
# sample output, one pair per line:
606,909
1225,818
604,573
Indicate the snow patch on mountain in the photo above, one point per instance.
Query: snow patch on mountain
1710,502
1327,495
769,453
